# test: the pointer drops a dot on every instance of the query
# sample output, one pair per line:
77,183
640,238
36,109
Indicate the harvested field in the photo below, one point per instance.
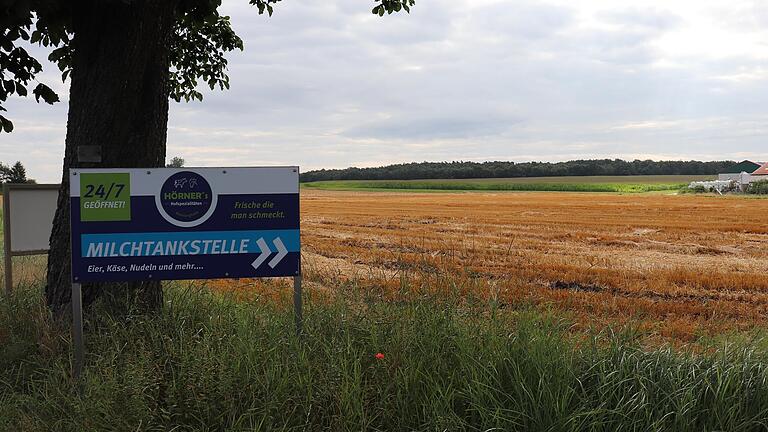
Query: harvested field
679,267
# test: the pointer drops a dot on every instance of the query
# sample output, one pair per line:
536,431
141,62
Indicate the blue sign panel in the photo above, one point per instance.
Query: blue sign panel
196,223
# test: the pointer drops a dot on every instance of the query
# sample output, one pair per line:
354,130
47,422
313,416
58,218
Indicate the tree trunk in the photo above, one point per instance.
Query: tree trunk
118,101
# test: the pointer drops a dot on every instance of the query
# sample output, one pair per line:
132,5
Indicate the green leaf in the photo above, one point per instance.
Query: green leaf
6,44
45,92
6,125
10,86
37,36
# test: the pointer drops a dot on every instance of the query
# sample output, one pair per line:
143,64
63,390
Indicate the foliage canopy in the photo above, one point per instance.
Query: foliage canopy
467,170
176,162
15,173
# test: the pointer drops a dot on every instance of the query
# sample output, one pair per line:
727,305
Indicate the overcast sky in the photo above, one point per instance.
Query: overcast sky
323,83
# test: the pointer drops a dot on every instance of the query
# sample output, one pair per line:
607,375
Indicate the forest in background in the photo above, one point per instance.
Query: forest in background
466,170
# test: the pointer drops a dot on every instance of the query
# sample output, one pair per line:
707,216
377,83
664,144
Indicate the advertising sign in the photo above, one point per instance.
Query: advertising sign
184,223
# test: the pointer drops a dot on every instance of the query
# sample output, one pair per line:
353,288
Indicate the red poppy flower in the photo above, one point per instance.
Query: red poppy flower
379,356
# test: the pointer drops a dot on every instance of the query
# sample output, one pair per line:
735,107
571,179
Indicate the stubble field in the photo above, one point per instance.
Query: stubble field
677,267
673,267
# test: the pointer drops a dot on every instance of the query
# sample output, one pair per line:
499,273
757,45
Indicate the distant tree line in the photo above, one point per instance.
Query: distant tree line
176,162
465,170
15,173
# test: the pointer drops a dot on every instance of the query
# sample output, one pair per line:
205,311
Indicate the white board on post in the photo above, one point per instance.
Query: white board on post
28,211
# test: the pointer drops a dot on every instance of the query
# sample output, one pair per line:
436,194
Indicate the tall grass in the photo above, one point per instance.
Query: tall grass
491,186
208,363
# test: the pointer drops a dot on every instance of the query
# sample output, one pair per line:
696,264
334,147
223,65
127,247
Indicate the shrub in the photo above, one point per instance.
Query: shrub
758,188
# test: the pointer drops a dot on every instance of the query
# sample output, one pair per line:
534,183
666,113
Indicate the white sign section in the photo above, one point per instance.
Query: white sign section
30,216
184,223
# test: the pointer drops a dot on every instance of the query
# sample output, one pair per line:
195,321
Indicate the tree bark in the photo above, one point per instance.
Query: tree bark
118,100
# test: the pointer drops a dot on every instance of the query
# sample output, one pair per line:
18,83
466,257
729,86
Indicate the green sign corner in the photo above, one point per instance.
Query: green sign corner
105,197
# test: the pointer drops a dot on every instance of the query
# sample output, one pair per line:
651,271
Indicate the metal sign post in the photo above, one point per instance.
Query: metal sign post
297,312
78,341
183,223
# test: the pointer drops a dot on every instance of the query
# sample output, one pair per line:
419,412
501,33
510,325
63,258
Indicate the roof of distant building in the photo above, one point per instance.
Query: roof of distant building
763,170
743,166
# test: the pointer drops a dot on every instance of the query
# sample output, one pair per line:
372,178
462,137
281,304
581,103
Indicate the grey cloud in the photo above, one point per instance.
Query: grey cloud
325,84
648,19
521,20
429,128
